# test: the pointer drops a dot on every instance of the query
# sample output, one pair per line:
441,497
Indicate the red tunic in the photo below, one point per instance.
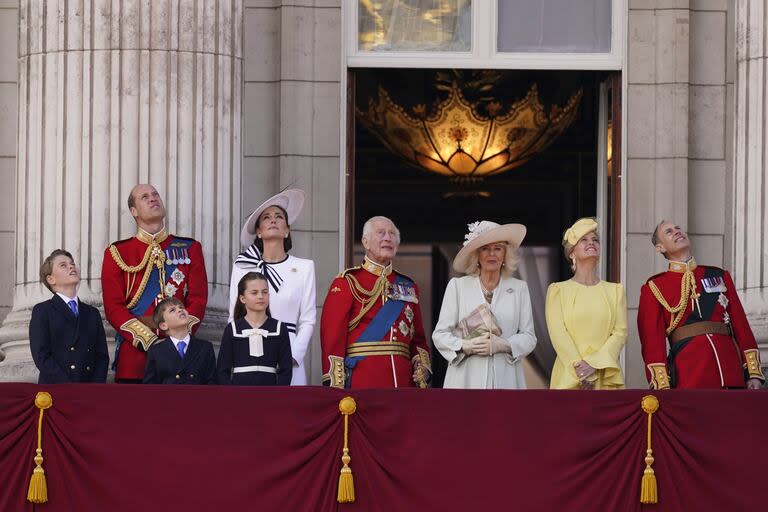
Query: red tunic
707,361
341,307
189,284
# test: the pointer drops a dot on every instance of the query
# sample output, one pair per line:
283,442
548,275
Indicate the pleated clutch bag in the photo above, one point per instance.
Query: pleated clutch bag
479,322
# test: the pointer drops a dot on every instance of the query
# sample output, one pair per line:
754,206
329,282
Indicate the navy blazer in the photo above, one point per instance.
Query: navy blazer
166,366
67,348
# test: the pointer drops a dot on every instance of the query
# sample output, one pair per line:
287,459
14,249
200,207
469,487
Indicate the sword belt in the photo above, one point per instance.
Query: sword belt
697,329
379,348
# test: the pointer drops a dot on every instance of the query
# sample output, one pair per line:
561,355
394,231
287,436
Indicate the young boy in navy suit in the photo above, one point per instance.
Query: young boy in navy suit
179,358
66,335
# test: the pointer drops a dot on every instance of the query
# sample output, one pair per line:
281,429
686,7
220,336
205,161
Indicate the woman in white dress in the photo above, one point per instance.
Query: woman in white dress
484,359
291,280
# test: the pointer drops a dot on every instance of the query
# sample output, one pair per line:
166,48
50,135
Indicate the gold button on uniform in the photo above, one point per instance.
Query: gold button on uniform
72,367
71,349
178,376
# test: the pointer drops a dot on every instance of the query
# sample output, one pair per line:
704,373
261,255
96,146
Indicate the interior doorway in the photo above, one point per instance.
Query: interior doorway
571,177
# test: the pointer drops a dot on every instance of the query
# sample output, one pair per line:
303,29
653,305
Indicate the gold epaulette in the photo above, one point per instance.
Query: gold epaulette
124,266
348,270
154,256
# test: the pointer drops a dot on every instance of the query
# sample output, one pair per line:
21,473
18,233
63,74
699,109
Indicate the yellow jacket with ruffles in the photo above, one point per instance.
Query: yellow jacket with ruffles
587,323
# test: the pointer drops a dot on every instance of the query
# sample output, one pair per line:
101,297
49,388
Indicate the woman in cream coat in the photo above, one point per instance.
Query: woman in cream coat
488,361
586,317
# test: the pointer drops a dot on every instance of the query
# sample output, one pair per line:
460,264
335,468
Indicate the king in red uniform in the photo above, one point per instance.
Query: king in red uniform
139,272
371,331
697,309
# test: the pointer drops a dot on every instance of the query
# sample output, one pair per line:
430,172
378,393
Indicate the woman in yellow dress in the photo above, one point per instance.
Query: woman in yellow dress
586,317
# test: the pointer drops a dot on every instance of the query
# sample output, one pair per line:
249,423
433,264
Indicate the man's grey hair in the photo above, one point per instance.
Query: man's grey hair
368,226
655,235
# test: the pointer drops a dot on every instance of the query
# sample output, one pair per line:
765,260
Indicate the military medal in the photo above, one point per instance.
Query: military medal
403,328
177,276
409,313
170,290
714,284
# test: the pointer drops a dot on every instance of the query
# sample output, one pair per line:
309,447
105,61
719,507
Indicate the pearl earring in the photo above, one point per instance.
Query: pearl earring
259,235
286,235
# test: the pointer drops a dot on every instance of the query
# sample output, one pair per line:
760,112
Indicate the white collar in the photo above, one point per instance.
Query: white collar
175,342
67,299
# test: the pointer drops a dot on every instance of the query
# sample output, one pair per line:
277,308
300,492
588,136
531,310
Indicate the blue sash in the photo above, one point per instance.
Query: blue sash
379,326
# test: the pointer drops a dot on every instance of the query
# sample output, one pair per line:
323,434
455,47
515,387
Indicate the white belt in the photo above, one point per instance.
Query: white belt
244,369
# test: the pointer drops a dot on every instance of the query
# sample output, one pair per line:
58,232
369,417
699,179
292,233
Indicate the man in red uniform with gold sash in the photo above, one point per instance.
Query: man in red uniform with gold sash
139,272
371,331
697,309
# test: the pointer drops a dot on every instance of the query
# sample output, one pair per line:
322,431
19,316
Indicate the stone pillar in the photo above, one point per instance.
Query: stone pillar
658,123
750,186
292,128
112,94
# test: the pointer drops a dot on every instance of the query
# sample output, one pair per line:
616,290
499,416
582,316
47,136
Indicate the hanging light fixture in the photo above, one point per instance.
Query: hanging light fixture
455,140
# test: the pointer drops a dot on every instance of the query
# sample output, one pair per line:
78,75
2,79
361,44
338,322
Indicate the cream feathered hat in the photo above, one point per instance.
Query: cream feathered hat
486,232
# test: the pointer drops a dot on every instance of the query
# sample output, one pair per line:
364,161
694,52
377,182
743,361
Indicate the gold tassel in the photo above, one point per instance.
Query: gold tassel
38,488
346,493
649,492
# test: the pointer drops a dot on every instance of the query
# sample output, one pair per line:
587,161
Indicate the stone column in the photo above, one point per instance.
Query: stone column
750,186
657,144
292,128
112,94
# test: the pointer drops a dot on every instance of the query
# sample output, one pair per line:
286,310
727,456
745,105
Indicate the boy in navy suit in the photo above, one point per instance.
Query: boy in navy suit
179,358
66,335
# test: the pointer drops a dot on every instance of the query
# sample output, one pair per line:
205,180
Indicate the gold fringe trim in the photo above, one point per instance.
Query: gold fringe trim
365,297
346,493
649,492
687,291
154,256
38,488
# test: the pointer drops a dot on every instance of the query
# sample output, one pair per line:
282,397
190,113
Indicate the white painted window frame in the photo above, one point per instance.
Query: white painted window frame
484,53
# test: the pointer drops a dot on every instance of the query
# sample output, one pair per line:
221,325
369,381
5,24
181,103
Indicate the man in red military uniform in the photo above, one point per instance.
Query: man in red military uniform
371,331
139,272
697,309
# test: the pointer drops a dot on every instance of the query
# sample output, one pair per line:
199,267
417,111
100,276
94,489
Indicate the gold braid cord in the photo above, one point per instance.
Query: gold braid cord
153,257
38,487
365,297
687,290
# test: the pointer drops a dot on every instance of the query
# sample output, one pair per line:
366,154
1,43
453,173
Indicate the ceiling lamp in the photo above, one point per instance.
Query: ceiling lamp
457,141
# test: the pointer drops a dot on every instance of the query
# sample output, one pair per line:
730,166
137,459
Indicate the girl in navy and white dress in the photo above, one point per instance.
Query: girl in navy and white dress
266,234
255,348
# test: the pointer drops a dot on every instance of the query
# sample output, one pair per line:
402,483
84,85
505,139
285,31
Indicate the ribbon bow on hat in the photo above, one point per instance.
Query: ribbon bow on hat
255,341
580,228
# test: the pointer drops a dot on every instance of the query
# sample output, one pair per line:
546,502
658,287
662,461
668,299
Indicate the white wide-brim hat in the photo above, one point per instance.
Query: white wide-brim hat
486,232
291,200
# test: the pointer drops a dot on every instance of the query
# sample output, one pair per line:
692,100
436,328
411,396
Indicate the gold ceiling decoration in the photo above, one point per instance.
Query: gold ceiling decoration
457,141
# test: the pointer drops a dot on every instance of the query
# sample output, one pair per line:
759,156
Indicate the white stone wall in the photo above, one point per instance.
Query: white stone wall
114,94
9,21
679,125
749,102
292,95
